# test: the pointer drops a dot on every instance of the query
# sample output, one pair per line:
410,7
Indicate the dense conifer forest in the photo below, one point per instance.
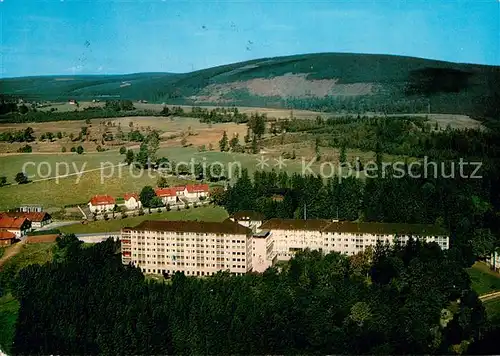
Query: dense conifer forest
413,299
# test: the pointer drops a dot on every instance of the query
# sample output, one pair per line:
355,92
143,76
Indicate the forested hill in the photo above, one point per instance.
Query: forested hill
327,81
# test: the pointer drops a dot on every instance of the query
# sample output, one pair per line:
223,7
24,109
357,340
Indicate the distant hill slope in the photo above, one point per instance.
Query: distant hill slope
325,81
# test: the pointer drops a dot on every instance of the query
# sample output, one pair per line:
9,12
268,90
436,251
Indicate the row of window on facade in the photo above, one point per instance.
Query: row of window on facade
200,265
187,257
142,237
192,273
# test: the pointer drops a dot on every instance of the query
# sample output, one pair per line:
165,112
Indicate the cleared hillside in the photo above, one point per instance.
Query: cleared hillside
327,82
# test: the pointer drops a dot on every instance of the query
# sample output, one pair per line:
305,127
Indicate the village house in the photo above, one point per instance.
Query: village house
18,226
132,201
7,238
167,195
180,190
196,191
101,203
38,219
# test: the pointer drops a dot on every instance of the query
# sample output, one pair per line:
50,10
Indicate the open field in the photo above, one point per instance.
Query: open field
483,279
172,130
493,310
454,120
205,213
80,188
51,194
30,254
271,112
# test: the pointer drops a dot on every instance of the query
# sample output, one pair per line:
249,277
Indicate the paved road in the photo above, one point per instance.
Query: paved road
489,296
57,224
94,238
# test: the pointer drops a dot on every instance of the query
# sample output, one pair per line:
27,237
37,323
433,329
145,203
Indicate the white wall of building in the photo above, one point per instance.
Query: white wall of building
195,254
133,204
101,208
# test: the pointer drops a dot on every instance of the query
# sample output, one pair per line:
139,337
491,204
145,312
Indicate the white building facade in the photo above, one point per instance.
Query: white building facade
263,254
345,237
132,202
192,247
101,204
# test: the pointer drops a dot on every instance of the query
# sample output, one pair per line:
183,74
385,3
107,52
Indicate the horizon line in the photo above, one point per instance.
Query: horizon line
251,60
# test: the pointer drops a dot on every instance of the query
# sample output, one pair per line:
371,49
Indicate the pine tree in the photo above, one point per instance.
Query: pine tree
224,143
255,145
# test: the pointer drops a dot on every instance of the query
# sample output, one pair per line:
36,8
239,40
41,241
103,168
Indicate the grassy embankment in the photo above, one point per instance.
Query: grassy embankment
205,213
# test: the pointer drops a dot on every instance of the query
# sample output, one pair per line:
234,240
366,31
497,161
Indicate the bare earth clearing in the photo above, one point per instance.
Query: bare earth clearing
288,85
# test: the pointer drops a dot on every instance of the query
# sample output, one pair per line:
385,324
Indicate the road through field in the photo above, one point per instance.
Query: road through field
11,252
489,296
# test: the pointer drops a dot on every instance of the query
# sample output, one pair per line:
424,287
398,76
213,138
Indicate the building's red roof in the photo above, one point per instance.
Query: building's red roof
165,192
7,235
32,216
41,238
102,200
179,188
11,223
197,188
131,195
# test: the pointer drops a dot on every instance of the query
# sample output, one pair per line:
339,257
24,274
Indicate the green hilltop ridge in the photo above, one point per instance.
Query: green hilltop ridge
326,81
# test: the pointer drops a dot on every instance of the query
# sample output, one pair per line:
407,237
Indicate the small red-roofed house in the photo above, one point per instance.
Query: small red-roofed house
38,219
167,195
101,203
18,226
194,191
180,190
132,201
7,238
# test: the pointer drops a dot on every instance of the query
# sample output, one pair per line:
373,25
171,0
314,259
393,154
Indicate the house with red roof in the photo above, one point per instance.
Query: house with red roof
101,203
7,238
167,195
38,219
132,201
180,190
18,226
196,191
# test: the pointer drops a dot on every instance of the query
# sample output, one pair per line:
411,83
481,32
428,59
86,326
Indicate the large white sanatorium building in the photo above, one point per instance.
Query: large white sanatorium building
193,247
203,248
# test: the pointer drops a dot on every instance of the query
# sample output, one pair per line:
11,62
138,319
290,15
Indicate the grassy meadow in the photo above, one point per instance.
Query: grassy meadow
205,213
483,279
76,189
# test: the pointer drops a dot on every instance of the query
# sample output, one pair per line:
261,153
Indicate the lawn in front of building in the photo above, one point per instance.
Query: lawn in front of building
205,213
